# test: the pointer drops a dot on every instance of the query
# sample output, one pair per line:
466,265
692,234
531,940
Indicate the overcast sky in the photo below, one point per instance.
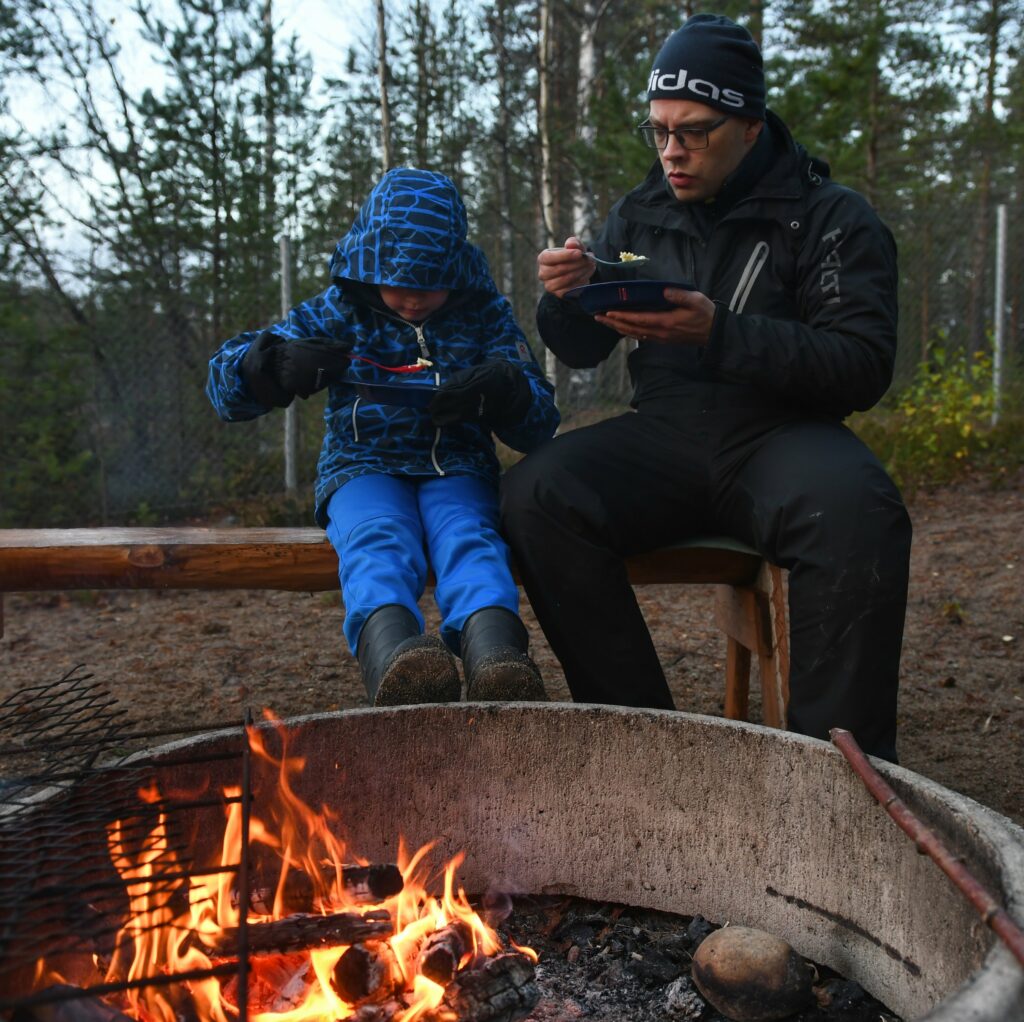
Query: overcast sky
326,28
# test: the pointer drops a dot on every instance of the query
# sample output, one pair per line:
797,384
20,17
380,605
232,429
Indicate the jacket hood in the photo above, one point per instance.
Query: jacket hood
411,232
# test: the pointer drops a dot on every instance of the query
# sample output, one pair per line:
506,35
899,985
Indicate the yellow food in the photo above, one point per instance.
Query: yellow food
628,257
424,363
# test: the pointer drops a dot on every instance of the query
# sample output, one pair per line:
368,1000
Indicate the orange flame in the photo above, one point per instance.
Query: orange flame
163,938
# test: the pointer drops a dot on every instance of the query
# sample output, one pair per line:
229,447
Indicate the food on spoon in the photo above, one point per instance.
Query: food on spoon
629,257
424,363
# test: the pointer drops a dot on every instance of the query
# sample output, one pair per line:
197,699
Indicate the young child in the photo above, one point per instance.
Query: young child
402,487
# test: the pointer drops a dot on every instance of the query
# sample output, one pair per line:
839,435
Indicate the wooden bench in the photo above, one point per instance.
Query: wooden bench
749,604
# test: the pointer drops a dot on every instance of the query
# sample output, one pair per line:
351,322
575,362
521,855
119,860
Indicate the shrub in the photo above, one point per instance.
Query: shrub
939,428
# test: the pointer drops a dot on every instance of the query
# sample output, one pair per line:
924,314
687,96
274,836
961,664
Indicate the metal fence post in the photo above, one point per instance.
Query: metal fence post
999,340
291,413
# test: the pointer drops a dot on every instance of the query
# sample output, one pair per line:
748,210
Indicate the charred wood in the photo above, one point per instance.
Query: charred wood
365,972
365,885
384,1012
276,983
301,932
78,1007
443,950
502,989
373,883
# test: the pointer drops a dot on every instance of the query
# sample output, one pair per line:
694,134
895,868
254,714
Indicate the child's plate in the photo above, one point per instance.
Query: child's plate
406,392
641,295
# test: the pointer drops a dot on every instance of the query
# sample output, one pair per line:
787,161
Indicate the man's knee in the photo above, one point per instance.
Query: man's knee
534,488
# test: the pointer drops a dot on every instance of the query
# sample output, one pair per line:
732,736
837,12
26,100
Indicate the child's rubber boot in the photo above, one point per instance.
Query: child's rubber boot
401,666
494,658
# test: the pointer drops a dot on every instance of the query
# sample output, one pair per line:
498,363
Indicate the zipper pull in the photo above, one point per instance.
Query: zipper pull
421,340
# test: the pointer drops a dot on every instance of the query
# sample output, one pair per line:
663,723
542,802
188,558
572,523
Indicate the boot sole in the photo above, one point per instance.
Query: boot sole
424,674
506,677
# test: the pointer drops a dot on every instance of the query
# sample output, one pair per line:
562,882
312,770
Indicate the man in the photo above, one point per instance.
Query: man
740,389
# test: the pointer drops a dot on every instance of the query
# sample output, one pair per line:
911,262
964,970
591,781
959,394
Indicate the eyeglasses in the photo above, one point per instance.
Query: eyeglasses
689,138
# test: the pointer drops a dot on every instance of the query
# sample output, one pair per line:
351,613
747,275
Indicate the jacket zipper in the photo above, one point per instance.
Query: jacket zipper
425,353
750,274
355,420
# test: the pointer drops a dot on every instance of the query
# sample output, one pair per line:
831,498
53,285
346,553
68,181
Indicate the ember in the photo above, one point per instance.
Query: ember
607,963
613,963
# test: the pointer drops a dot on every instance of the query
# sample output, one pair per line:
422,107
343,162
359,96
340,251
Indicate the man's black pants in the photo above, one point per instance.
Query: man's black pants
807,494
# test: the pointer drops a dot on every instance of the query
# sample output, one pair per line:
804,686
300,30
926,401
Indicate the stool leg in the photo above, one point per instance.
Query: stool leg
735,616
773,646
748,619
737,680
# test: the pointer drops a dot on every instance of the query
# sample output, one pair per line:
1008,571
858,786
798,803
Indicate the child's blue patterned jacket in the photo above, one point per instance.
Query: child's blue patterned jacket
411,232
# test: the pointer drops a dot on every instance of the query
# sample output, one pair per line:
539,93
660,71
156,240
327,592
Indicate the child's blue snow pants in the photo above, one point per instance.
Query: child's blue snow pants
384,529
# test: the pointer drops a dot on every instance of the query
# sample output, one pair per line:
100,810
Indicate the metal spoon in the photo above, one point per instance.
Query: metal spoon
639,261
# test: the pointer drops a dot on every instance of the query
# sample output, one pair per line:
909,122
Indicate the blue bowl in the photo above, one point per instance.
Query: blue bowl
639,295
403,392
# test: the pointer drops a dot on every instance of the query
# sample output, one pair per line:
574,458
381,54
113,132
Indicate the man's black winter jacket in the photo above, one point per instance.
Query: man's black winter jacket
803,274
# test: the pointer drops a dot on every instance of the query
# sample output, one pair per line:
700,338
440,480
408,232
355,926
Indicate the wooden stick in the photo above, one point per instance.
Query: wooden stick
365,885
302,932
928,843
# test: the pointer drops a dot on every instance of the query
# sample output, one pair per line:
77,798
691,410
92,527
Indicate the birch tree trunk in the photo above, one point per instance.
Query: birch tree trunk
506,238
545,53
583,206
387,158
270,140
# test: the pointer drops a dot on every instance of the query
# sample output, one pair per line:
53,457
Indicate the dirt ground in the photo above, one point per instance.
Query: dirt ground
176,659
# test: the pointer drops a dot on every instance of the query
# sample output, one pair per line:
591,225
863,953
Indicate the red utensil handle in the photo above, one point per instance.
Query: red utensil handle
414,368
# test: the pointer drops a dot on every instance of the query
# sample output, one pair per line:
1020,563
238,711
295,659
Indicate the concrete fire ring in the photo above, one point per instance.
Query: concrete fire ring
682,813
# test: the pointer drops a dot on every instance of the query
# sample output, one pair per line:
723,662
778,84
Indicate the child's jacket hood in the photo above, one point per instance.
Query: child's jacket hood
411,232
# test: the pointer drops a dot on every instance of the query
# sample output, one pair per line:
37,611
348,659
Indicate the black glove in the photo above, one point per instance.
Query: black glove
495,393
275,369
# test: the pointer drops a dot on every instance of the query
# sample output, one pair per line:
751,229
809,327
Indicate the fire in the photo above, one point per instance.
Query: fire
292,848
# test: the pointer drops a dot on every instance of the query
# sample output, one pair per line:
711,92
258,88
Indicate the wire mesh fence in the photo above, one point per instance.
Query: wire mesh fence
153,448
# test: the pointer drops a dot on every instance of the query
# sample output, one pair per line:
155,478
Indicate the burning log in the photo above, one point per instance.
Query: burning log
502,989
277,983
301,932
365,885
378,1012
373,883
365,972
443,950
76,1007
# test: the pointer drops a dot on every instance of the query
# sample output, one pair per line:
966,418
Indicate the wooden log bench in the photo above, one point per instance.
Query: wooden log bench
749,600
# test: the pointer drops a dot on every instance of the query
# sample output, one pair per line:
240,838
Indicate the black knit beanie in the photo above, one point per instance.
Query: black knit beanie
711,60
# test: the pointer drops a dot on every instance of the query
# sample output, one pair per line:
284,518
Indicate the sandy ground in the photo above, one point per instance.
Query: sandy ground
178,658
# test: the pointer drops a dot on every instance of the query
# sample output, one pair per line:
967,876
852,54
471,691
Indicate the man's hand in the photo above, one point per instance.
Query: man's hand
276,369
561,269
688,323
495,393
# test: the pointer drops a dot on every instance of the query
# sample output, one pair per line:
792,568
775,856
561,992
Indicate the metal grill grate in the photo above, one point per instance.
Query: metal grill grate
76,786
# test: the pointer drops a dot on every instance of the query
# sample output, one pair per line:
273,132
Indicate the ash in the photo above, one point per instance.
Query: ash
613,963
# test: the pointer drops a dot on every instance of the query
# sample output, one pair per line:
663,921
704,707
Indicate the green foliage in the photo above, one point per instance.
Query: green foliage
939,428
48,472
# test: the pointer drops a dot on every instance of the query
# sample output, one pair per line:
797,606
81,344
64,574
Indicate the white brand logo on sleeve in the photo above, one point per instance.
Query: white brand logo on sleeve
701,87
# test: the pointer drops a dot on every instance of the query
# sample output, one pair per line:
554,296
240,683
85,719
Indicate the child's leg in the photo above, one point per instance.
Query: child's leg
471,561
376,530
475,591
375,527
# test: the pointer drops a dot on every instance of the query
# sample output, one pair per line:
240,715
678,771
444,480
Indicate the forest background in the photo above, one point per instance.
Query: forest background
140,225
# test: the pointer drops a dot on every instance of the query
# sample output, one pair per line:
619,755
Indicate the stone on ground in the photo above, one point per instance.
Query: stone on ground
751,976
